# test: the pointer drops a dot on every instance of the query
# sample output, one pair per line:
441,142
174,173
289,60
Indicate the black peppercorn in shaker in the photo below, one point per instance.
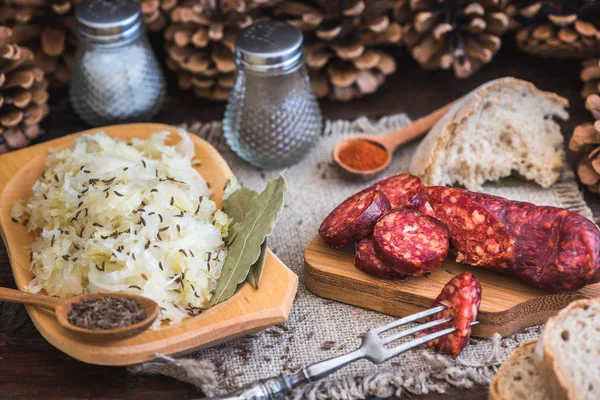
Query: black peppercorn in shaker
272,117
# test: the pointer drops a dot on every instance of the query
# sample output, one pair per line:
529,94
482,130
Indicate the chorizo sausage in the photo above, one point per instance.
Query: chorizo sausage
462,297
575,261
548,248
411,241
367,260
354,218
478,236
405,191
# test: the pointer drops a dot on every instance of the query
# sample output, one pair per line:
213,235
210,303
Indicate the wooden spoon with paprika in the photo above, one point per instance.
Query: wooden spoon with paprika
366,156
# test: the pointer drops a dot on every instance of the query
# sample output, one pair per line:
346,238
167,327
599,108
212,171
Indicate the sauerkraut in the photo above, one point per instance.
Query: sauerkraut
129,216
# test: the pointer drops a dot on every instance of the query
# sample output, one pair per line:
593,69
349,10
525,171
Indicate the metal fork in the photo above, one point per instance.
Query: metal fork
373,348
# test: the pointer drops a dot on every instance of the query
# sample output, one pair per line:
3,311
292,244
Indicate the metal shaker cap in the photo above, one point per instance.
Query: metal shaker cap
108,21
269,46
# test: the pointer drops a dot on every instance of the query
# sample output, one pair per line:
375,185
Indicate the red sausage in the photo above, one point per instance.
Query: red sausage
354,218
555,249
367,260
575,262
462,297
479,237
403,191
411,241
546,247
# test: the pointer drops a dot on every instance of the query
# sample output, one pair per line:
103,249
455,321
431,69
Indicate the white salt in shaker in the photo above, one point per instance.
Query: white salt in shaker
272,117
116,76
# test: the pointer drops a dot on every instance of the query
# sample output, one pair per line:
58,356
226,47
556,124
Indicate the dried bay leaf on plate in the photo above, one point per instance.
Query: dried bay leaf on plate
236,207
248,236
256,269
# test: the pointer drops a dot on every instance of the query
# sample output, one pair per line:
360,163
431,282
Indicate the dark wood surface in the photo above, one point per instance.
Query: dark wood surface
30,367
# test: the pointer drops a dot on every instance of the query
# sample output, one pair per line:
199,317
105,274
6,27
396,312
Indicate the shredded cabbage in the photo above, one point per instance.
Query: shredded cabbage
128,217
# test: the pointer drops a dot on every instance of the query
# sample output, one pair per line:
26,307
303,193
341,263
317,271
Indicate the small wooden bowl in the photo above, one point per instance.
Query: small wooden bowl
357,173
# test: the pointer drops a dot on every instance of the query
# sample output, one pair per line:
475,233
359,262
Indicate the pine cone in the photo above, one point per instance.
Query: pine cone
23,94
586,138
156,13
48,28
457,34
558,28
343,40
590,75
200,43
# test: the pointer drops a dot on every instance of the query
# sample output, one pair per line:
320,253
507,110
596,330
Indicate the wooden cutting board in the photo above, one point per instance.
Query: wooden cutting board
507,305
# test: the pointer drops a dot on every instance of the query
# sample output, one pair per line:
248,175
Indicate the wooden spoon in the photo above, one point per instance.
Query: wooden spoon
62,308
389,142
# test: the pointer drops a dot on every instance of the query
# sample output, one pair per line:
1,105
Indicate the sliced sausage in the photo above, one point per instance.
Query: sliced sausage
462,297
354,218
427,209
403,191
367,260
411,241
480,238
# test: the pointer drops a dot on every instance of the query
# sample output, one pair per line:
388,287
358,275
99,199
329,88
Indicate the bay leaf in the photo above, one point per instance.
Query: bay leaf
249,235
237,204
236,207
256,269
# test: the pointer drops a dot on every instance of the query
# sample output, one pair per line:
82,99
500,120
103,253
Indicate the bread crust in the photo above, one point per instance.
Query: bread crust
428,151
495,392
545,359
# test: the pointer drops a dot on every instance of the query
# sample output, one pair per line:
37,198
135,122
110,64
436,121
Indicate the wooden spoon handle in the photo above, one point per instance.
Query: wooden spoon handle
418,128
18,296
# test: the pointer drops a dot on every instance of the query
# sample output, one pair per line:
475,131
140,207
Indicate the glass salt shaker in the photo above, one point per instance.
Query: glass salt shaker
272,118
116,76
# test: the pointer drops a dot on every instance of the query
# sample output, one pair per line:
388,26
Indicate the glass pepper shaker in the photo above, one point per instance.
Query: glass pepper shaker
272,118
116,76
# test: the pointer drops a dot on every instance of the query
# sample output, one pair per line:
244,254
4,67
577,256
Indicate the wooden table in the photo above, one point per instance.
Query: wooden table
30,367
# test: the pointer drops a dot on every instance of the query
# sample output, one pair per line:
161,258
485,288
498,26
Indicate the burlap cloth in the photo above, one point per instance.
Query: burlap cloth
318,328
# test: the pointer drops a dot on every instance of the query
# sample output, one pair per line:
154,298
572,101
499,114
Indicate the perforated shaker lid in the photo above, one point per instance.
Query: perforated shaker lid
108,20
269,46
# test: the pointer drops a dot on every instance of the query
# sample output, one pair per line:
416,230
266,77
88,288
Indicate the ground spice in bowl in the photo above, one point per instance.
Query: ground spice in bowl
106,313
363,155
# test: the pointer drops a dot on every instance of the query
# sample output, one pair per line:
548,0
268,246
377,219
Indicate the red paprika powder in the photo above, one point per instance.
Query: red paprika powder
363,155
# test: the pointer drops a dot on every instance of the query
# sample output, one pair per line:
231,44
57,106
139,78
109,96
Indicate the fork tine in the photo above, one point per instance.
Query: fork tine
408,319
414,329
422,340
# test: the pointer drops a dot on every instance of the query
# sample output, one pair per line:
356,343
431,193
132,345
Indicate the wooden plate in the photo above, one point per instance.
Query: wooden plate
247,311
507,305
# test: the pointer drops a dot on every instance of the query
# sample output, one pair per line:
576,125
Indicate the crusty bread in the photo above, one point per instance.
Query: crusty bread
567,355
517,378
502,126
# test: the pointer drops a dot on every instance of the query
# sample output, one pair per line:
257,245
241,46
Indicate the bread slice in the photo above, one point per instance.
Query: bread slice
502,126
517,378
567,355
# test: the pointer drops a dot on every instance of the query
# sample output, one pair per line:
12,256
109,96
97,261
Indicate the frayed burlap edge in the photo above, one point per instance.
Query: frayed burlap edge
441,372
200,373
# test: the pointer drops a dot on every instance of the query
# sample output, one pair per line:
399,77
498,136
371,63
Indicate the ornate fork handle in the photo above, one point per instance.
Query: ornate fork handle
282,385
265,389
